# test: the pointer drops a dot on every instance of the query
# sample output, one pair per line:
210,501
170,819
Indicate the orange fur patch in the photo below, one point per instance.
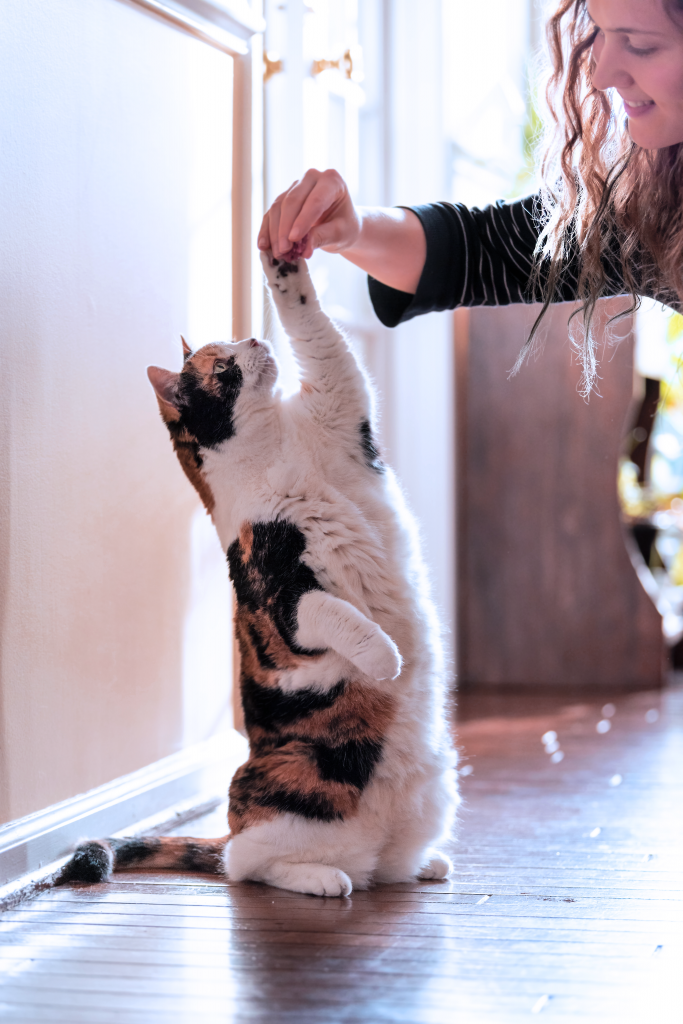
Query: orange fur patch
282,769
187,457
201,366
281,778
246,537
312,751
248,623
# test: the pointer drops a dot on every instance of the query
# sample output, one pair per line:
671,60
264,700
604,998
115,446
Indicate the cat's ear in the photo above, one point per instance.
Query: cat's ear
165,383
187,351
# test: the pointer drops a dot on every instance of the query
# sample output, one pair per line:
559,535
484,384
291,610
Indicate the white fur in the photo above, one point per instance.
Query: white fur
301,459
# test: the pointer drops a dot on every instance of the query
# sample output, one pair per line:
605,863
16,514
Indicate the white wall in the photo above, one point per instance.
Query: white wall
104,560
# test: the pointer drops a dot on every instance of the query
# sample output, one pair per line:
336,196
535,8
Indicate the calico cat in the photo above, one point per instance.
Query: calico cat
350,777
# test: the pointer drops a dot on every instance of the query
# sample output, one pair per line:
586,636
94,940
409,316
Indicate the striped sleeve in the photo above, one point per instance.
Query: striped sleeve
474,258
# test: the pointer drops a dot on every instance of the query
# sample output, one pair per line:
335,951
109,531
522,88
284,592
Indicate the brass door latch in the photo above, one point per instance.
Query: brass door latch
273,65
349,63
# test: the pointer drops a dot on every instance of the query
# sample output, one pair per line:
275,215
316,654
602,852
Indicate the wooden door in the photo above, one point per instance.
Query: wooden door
547,594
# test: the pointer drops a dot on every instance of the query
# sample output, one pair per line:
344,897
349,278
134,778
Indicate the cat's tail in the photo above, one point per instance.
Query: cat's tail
95,860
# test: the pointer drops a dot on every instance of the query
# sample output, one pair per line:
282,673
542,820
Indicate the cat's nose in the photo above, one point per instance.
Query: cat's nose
253,343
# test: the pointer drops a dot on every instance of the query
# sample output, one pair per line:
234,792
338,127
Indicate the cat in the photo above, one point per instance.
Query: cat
351,776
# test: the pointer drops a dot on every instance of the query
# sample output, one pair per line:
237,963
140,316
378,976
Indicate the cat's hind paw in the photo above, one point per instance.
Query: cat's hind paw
314,879
437,867
327,881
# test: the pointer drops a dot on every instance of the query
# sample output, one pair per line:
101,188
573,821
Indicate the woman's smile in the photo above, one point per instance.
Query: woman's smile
637,108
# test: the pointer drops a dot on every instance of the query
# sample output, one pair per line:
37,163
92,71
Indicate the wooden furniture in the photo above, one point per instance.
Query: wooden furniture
547,593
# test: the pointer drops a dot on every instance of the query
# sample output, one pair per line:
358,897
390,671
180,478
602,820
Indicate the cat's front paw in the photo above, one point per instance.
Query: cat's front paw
378,657
290,283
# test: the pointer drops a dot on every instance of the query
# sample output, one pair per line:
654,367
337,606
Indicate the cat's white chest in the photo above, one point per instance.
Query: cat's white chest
258,490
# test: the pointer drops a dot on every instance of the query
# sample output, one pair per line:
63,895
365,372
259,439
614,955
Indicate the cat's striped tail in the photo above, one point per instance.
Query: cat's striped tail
96,859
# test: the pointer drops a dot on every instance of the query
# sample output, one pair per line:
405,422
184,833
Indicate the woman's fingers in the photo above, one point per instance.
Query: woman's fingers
264,232
268,234
328,216
318,206
291,207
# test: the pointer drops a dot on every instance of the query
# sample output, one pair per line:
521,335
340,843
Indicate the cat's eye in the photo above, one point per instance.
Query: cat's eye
219,366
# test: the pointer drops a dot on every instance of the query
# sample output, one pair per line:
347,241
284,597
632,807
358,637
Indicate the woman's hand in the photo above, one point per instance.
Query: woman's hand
314,213
317,213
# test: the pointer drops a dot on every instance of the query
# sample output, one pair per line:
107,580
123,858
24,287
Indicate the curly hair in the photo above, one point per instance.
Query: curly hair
603,196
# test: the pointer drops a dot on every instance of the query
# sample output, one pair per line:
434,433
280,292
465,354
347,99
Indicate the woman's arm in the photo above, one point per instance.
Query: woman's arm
432,258
389,244
391,247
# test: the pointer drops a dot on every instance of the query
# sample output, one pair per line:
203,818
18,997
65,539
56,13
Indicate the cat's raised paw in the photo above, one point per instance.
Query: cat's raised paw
378,657
438,866
290,283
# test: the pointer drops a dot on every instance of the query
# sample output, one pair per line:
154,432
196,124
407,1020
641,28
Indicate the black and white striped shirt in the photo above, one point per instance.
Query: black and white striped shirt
484,258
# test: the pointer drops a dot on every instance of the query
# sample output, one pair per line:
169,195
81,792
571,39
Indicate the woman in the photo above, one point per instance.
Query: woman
607,221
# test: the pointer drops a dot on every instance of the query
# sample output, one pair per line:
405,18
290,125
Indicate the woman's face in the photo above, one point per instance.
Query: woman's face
639,52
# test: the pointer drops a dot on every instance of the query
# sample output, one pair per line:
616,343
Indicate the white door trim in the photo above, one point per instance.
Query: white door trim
225,24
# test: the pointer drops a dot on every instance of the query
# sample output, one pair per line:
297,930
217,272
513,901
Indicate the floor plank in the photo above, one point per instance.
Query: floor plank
566,902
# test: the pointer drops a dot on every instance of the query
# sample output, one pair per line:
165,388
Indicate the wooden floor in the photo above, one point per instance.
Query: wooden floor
565,903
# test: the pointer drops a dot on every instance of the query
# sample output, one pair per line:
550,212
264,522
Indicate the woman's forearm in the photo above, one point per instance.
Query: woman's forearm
391,247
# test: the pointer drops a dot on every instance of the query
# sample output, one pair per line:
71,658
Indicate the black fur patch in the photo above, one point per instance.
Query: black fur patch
274,576
287,268
133,851
208,417
197,858
351,762
270,708
250,786
264,659
191,446
315,806
370,450
91,862
311,753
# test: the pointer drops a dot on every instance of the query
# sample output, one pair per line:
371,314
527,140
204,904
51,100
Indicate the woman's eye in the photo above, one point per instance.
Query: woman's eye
638,52
219,366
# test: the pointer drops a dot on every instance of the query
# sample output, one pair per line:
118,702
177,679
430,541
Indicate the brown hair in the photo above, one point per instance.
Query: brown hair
602,195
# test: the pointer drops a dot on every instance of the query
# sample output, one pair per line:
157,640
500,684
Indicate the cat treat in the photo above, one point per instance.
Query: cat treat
350,779
297,251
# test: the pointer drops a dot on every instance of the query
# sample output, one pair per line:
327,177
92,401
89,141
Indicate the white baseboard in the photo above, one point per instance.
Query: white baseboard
34,847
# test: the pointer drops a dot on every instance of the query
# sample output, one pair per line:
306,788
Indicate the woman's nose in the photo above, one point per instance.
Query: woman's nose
609,72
